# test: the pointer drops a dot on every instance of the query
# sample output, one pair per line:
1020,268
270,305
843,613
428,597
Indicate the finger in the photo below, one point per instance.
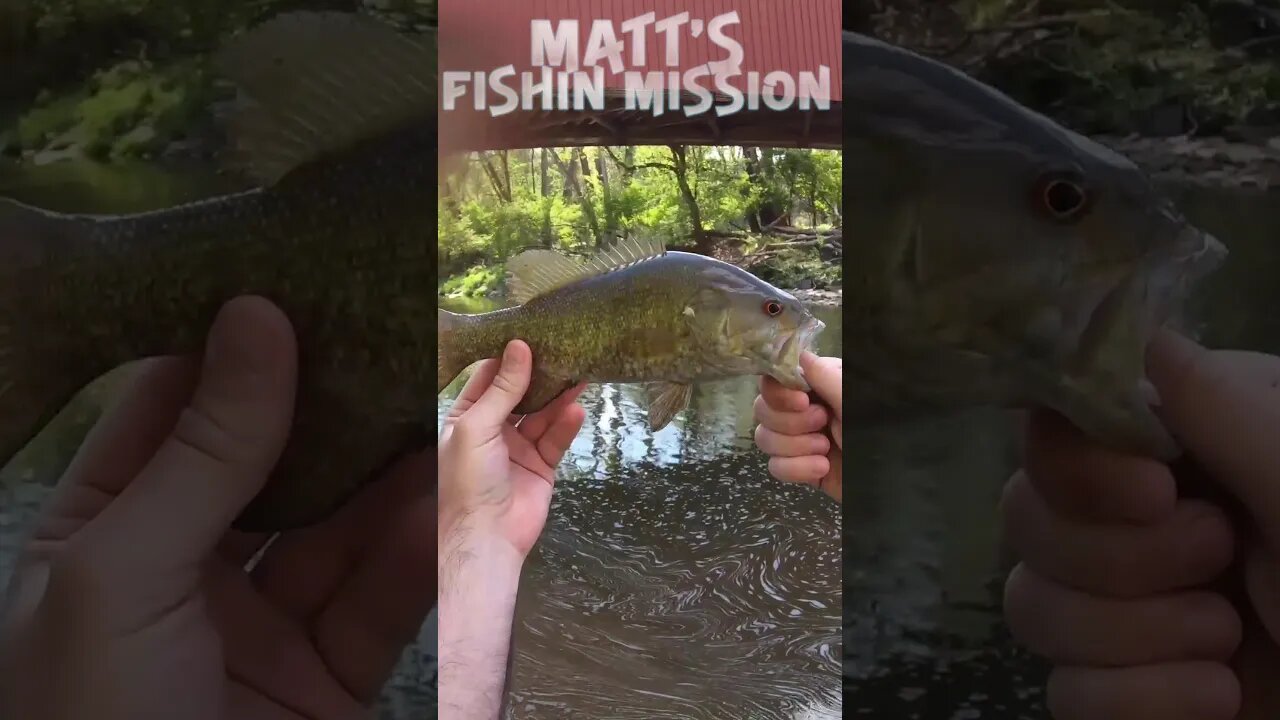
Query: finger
303,568
782,398
479,381
1173,691
268,654
509,385
1262,578
1073,628
808,470
119,445
1081,479
556,441
238,547
779,445
1192,547
381,605
826,377
1224,408
218,455
535,424
833,482
788,423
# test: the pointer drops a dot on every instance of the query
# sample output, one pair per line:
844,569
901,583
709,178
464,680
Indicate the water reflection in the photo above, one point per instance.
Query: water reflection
675,578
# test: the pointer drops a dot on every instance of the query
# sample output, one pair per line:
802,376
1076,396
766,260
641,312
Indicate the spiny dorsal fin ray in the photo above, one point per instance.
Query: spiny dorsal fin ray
319,82
537,272
534,272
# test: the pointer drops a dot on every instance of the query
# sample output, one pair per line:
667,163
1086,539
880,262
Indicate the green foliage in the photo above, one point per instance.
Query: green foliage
477,281
123,78
499,206
1136,61
130,109
1109,66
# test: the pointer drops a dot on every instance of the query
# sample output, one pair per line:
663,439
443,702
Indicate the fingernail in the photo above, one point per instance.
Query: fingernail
239,352
510,356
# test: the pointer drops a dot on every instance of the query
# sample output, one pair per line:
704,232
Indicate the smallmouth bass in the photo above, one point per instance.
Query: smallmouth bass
338,129
999,258
634,313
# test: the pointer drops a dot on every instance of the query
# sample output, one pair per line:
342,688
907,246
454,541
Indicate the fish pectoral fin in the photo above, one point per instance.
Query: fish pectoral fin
666,400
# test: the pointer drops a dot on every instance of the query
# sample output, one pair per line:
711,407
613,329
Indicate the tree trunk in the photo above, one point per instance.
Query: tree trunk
545,190
574,188
506,174
751,158
680,161
588,198
771,208
610,210
500,188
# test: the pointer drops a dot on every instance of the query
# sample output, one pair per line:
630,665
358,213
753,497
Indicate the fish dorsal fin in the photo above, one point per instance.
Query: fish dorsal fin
538,272
315,83
534,272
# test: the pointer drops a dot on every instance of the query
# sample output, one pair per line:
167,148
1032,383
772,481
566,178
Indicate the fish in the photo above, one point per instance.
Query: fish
999,258
335,125
635,313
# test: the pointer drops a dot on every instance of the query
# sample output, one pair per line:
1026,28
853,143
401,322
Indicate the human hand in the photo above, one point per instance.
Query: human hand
1119,584
495,474
131,600
791,426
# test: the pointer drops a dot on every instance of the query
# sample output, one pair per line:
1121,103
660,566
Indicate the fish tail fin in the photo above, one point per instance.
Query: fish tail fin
36,381
447,364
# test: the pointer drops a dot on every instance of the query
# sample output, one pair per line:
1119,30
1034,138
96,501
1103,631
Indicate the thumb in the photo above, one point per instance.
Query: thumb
508,387
1224,407
221,449
826,376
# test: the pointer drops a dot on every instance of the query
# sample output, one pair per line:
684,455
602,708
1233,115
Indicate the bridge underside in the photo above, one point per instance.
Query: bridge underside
616,124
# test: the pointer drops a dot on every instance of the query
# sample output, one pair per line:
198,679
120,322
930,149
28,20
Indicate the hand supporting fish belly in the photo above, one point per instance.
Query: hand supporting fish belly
634,313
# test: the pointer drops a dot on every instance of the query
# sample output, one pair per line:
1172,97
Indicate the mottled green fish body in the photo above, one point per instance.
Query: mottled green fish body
635,313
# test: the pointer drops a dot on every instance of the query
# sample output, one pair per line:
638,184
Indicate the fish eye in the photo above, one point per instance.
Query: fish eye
772,308
1061,197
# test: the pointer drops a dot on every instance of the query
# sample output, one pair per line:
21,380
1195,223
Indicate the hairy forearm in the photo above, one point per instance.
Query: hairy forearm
479,574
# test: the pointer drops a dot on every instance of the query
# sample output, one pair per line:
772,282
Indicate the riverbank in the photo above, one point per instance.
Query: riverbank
1213,162
828,297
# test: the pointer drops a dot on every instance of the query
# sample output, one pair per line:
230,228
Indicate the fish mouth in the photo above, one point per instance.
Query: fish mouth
1206,258
786,356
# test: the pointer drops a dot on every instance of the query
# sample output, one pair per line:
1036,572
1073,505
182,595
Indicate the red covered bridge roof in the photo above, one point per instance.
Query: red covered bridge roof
792,36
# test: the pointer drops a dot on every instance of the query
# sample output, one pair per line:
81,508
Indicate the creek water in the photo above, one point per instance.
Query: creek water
675,578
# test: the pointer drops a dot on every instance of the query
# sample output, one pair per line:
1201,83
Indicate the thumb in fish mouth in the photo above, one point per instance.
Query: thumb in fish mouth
791,378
